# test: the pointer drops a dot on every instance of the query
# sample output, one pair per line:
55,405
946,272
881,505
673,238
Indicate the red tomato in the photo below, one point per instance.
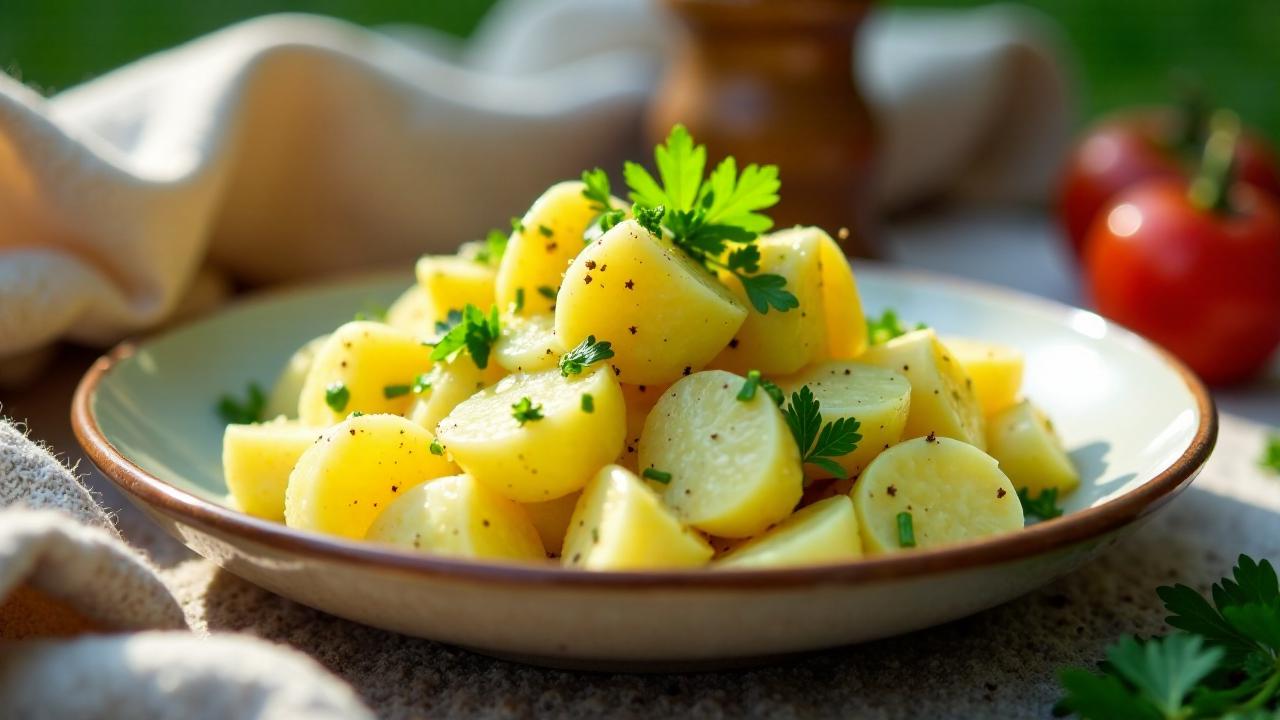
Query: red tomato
1139,145
1204,284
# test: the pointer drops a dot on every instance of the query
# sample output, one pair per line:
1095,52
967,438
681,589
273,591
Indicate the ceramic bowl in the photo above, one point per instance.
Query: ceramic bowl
1138,424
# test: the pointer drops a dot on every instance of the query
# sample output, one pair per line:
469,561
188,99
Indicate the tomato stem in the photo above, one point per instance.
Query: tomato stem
1191,119
1211,187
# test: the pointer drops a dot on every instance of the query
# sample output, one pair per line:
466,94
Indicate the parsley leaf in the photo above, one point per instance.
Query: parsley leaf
1228,623
650,218
395,391
475,332
588,403
525,411
587,352
336,396
494,247
243,412
436,448
819,443
1271,453
547,292
765,291
1142,680
1043,506
450,321
597,189
887,327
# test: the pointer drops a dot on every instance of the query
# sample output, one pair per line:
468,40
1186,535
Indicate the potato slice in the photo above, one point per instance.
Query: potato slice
665,315
621,524
952,490
825,532
996,371
355,470
942,397
528,344
846,325
452,381
364,359
1030,452
452,283
733,464
283,400
551,519
550,236
640,401
413,313
257,460
456,516
541,459
780,342
879,399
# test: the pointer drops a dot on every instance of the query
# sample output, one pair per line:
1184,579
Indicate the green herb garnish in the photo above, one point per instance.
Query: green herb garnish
588,403
545,231
234,411
336,396
587,352
525,411
450,321
906,530
517,225
395,391
518,304
887,327
475,332
819,443
436,448
547,292
421,383
707,218
1043,506
372,312
656,475
495,246
1271,453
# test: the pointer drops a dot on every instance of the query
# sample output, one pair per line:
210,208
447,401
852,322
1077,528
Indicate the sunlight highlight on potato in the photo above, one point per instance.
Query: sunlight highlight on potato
354,368
1029,450
257,460
825,532
996,371
528,344
452,283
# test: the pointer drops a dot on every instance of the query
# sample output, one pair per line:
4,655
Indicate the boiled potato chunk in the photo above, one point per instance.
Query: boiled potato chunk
549,237
452,381
779,342
664,315
528,344
358,362
355,470
458,517
413,313
734,466
452,283
257,460
283,399
1029,450
879,399
825,532
952,490
942,397
551,520
621,524
846,325
540,459
996,371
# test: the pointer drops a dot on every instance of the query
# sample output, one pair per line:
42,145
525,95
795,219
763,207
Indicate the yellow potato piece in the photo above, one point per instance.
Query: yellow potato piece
452,381
452,283
456,516
283,399
257,460
528,344
551,519
621,524
355,470
538,253
365,358
640,400
664,315
541,459
1029,450
846,325
825,532
734,466
413,313
780,342
952,490
879,399
996,371
942,397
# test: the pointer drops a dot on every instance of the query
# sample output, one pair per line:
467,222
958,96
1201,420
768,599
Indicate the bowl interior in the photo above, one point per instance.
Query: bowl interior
1124,413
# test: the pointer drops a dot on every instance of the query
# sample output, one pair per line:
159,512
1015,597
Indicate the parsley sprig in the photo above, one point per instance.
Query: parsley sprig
474,331
1224,662
888,326
235,411
715,221
525,411
587,352
1043,506
820,443
493,248
598,192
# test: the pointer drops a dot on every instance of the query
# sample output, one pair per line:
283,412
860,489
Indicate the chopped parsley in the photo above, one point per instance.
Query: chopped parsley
421,383
545,231
820,443
336,396
588,403
518,304
887,327
395,391
450,321
587,352
475,332
494,247
547,292
610,218
436,448
1043,506
1271,453
525,411
517,225
232,410
709,218
656,475
906,530
753,381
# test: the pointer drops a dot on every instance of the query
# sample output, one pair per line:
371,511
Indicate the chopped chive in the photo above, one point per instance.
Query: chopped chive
748,390
395,391
436,448
906,531
657,475
336,396
588,403
546,231
547,292
518,305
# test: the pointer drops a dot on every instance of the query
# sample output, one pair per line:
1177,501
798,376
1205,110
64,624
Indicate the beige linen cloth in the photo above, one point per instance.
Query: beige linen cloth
290,146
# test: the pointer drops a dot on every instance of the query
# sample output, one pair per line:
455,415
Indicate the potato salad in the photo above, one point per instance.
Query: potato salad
659,383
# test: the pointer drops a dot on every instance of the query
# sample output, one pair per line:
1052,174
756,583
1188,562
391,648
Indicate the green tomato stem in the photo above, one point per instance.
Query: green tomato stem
1211,187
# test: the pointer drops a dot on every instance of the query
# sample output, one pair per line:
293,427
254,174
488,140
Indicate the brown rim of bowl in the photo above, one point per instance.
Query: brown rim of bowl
1059,533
